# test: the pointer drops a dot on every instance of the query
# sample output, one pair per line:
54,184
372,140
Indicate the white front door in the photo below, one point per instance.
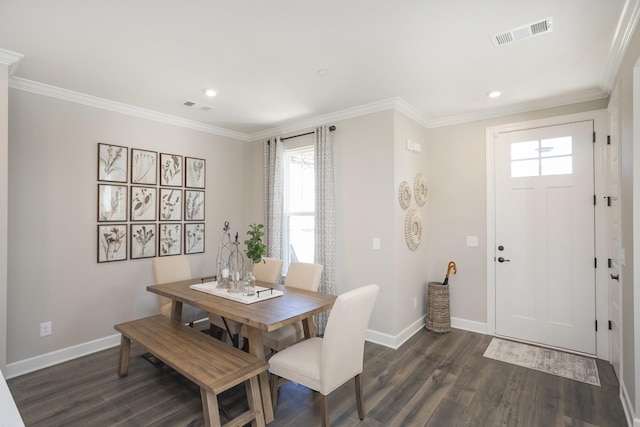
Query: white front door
545,245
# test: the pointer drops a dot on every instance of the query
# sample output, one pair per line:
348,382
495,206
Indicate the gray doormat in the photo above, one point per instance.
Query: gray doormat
553,362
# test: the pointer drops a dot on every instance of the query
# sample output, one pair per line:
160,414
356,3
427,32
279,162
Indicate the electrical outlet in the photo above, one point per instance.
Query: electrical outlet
415,302
45,329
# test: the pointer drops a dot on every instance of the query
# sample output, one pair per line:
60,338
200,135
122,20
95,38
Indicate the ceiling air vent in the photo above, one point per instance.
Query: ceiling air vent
524,32
197,106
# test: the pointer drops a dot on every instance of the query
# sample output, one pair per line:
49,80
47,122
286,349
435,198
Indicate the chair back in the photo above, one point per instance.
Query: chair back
269,270
344,336
170,269
304,275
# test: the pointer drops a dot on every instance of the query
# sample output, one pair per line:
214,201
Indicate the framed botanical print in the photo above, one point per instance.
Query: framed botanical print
144,167
171,168
170,242
170,204
112,203
112,242
195,172
143,240
112,163
143,203
193,205
194,238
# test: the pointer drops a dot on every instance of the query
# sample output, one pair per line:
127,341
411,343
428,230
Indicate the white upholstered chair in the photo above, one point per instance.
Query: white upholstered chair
268,271
300,275
324,364
171,269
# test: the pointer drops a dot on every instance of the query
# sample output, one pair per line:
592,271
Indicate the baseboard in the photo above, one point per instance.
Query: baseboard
627,406
396,341
469,325
49,359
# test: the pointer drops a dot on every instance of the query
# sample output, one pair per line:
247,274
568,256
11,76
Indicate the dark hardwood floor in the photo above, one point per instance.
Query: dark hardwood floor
432,380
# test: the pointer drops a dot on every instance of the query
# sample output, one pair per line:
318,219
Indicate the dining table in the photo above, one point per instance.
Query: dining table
268,314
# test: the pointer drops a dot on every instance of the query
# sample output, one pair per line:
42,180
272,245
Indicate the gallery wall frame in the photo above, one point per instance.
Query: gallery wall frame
170,204
144,167
112,242
143,203
194,172
112,163
171,170
170,239
193,205
143,239
112,203
194,238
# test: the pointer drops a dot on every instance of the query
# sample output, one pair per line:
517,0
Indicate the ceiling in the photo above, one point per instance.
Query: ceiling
263,57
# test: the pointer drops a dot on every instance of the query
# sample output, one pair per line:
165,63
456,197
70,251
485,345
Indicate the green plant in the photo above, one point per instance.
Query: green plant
255,248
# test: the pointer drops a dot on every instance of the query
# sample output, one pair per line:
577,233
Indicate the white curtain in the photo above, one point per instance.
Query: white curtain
325,248
274,196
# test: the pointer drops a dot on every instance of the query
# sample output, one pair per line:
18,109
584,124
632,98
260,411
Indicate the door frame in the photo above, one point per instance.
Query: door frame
601,126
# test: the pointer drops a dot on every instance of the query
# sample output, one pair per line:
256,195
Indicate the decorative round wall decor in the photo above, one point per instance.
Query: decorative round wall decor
420,189
413,229
404,195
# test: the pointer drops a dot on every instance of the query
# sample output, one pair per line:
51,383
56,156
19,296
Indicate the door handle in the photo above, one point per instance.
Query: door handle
503,260
616,277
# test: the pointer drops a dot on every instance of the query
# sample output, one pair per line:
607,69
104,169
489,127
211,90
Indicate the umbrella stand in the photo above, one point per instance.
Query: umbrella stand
438,311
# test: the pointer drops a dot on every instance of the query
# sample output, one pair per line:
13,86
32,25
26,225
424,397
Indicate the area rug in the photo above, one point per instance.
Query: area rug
553,362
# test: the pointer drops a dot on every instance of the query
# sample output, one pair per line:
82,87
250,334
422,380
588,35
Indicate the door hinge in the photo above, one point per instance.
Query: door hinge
596,326
595,262
594,200
609,262
610,325
608,139
594,137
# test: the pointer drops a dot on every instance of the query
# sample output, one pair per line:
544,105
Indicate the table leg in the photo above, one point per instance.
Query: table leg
309,327
176,310
256,347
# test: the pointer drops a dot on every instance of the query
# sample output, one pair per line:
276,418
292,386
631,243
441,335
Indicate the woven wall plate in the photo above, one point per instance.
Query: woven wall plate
420,189
404,195
413,229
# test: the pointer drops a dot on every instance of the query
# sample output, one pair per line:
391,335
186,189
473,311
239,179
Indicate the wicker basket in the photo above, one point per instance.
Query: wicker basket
438,314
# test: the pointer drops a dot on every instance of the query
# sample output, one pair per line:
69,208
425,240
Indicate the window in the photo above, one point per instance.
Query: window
552,156
299,206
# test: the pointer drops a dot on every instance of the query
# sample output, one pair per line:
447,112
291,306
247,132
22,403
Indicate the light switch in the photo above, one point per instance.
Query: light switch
376,243
472,241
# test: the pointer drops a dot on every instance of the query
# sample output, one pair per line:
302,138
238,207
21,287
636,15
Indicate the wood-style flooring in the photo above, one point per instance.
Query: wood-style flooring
432,380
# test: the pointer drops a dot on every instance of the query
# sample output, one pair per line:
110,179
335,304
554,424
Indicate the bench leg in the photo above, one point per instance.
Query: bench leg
210,408
125,351
255,402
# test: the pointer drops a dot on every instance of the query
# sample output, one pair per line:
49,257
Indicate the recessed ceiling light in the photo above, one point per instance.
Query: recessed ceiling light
322,73
494,94
210,92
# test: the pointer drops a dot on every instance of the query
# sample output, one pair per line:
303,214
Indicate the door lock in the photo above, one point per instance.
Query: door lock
501,259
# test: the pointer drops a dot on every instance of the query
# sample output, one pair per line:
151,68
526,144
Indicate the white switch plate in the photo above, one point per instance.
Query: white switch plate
376,243
472,241
45,329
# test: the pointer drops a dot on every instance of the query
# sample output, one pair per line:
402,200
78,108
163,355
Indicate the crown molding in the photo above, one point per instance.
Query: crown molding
105,104
10,59
361,110
624,30
525,107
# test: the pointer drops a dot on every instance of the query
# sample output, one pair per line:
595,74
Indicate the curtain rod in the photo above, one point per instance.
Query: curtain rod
331,129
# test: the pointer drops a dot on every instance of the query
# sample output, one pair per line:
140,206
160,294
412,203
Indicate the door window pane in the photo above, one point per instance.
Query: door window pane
556,147
524,150
522,168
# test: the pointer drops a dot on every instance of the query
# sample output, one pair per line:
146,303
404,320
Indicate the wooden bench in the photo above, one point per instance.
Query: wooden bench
211,364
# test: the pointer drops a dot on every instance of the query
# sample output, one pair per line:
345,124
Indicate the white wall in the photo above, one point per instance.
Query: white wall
53,274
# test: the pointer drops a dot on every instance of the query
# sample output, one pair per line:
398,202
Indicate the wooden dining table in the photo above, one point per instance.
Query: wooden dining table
268,315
